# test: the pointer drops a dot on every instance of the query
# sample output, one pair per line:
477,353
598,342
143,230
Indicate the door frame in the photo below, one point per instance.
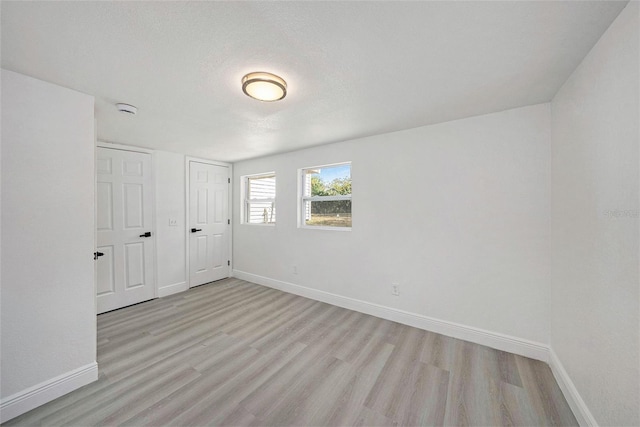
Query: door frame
154,266
187,161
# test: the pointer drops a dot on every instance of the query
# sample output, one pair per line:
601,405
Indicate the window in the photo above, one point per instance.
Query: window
326,196
260,199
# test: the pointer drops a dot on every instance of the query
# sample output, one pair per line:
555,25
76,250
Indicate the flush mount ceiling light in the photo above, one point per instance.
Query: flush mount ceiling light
264,86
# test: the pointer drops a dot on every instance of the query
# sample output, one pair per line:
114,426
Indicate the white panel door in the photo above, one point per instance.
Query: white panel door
125,273
209,223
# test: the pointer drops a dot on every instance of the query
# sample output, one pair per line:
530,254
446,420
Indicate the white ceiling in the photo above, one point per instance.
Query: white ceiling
353,68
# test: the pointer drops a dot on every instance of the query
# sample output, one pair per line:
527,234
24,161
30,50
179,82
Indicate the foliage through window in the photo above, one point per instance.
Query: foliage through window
326,196
260,199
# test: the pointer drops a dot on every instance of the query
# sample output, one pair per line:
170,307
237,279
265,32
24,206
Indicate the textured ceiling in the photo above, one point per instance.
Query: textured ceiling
353,68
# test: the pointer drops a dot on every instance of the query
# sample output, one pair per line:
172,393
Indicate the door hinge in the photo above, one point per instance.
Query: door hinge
229,221
228,262
229,180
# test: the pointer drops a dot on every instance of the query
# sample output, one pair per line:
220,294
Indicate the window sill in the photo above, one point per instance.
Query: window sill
321,227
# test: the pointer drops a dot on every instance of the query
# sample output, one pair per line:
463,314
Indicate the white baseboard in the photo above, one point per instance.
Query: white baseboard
172,289
26,400
577,405
496,340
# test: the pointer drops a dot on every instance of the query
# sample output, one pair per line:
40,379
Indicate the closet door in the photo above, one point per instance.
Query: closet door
125,274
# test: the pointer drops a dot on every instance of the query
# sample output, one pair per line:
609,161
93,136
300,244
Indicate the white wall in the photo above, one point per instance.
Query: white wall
456,213
170,239
48,316
595,181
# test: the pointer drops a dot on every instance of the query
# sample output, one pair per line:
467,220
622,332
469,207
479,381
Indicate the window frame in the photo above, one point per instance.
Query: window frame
302,176
246,201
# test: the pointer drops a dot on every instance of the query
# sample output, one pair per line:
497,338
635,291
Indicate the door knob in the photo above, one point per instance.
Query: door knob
147,234
193,230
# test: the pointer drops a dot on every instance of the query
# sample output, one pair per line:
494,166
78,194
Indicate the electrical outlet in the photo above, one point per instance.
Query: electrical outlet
173,222
395,289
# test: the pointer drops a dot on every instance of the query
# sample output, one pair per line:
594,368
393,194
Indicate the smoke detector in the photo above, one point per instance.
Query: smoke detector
126,108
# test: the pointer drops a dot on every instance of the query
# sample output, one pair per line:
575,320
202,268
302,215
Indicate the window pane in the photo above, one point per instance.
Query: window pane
261,213
328,213
328,181
262,187
260,195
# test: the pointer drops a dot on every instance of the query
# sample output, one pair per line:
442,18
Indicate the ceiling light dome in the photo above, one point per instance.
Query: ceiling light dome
264,86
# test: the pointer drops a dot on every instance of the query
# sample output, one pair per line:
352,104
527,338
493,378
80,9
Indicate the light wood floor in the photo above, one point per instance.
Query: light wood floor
235,353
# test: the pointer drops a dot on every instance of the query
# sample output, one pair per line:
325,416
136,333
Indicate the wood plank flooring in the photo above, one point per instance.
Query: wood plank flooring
235,353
